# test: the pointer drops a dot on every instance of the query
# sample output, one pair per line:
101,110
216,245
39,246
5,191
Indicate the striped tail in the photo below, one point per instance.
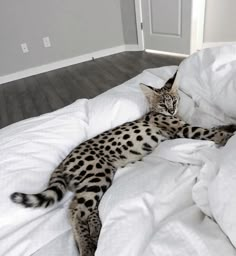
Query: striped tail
54,193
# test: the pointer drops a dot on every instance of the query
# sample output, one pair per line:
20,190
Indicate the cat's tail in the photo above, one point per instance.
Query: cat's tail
54,193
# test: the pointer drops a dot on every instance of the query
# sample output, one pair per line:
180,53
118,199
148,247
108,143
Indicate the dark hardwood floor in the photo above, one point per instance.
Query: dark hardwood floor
49,91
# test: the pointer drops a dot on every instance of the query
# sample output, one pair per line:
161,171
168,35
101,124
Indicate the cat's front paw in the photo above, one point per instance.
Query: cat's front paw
222,137
230,128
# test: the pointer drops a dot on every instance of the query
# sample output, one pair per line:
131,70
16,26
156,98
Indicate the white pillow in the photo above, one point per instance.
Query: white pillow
209,77
30,150
125,102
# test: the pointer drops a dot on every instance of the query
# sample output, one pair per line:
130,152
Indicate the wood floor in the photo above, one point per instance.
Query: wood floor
49,91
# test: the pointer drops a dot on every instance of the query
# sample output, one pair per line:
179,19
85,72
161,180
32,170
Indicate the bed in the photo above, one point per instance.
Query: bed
180,200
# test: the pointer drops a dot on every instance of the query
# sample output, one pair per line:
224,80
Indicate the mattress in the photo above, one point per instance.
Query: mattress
178,201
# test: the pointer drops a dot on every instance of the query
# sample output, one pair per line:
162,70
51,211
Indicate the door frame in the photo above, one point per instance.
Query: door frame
197,26
139,21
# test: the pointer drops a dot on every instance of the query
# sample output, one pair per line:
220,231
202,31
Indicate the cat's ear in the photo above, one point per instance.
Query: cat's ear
150,93
171,84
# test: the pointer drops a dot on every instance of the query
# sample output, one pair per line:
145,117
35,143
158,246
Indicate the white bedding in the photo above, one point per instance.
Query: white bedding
178,201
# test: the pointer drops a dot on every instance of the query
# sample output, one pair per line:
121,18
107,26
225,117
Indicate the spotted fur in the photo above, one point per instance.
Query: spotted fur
89,169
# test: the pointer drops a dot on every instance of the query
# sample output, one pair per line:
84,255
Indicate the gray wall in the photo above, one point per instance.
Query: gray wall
129,21
75,27
220,20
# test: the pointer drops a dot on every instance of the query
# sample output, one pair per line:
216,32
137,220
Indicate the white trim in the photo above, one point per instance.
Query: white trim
216,44
167,53
197,25
67,62
139,20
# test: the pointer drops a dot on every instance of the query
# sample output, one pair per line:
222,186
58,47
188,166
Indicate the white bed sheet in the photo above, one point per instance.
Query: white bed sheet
154,207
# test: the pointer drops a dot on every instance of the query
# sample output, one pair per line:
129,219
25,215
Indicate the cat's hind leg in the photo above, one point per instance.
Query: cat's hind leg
94,223
79,218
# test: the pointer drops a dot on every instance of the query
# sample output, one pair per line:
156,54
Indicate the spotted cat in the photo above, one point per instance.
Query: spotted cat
89,169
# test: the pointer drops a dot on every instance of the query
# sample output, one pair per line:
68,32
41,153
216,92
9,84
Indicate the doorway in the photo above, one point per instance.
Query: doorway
172,26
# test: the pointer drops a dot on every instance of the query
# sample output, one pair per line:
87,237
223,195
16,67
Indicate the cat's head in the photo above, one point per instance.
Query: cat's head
164,100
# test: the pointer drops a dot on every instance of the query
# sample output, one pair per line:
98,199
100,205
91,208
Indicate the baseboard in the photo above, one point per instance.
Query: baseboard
67,62
215,44
168,53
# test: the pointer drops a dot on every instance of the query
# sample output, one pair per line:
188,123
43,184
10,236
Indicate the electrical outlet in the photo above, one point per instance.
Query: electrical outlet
24,48
46,42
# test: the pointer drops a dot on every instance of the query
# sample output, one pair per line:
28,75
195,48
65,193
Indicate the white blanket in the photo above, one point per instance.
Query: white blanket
149,209
178,201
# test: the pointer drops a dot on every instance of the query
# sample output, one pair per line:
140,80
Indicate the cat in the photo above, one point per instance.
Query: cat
89,169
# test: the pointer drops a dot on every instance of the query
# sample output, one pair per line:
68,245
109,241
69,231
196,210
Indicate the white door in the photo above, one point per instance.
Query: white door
173,25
